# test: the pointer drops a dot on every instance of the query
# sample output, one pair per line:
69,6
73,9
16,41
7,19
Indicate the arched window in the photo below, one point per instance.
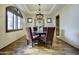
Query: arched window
14,19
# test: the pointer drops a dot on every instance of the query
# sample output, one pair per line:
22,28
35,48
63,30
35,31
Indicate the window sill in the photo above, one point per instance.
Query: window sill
13,30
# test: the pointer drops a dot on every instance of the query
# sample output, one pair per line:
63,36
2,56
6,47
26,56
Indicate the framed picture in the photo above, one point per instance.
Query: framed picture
39,23
29,20
49,20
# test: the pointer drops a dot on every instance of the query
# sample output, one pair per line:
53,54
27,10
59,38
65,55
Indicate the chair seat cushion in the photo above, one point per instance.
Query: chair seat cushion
43,35
35,36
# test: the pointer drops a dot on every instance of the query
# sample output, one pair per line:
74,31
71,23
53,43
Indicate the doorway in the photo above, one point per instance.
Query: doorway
57,25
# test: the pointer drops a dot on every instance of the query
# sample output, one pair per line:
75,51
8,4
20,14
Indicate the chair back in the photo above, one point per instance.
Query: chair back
29,34
34,28
45,28
49,36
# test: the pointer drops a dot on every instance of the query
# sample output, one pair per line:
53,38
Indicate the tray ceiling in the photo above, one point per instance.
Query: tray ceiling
43,7
32,9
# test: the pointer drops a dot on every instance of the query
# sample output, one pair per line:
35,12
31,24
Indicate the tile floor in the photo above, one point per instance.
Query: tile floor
19,47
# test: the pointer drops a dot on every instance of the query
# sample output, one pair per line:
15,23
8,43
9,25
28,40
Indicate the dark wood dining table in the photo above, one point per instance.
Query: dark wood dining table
39,38
40,33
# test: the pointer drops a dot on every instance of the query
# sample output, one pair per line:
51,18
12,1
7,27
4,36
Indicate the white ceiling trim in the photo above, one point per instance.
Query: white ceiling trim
43,12
26,11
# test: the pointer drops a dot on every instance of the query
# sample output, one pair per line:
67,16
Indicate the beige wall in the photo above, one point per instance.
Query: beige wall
69,24
7,38
29,24
45,22
49,24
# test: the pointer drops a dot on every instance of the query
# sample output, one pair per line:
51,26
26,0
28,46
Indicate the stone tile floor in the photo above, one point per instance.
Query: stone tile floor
19,47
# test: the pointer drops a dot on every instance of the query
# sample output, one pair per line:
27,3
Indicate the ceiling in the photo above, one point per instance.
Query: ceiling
32,9
43,7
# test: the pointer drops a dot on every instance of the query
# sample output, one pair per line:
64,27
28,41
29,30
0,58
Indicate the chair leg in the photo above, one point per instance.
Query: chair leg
32,44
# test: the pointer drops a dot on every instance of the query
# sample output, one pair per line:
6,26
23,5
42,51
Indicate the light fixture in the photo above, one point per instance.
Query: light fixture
39,15
29,20
49,20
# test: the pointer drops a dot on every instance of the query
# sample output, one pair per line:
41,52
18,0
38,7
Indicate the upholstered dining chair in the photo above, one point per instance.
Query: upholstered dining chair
30,37
45,31
48,39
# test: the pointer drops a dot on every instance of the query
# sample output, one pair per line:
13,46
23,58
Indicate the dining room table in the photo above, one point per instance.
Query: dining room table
40,35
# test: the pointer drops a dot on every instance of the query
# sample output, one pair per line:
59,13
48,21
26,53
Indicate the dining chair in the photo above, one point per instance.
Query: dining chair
48,39
45,28
30,37
45,31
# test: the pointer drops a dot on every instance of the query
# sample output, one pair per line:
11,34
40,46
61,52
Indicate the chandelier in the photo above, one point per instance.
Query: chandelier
39,15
